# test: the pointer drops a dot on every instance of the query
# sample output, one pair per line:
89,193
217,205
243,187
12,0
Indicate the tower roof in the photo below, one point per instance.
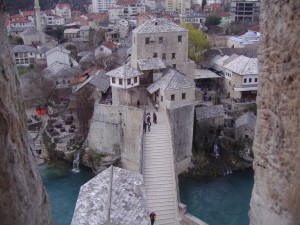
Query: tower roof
158,26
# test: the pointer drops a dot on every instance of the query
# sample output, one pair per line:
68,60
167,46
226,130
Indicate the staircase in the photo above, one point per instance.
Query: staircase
158,171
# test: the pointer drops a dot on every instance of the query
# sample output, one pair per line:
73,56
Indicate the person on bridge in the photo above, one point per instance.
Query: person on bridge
152,217
154,118
145,126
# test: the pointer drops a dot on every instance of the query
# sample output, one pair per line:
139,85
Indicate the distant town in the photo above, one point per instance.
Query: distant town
90,74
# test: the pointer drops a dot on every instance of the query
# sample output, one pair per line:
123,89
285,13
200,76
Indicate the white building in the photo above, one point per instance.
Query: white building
250,38
53,20
63,10
58,54
71,33
131,8
84,31
24,55
102,5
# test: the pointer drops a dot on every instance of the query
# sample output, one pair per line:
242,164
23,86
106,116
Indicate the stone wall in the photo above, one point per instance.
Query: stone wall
23,197
276,197
182,125
116,130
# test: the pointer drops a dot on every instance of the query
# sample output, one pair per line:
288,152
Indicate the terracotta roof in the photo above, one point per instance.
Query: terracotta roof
224,14
15,16
254,28
28,13
63,5
127,2
110,45
21,21
98,16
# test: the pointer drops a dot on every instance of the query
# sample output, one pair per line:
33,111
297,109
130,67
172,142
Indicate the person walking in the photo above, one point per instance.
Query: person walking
138,103
156,106
154,118
152,217
148,121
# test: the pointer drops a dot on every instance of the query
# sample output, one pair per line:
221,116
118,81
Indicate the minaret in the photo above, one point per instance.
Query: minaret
37,15
182,12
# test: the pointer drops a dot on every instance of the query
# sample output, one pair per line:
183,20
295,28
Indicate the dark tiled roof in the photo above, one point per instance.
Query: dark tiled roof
158,26
151,64
209,112
124,72
96,200
60,70
172,80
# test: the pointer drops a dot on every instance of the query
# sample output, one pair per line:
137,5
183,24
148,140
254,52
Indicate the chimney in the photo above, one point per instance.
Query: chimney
137,187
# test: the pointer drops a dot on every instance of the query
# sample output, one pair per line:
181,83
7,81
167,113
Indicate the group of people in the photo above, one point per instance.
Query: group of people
147,123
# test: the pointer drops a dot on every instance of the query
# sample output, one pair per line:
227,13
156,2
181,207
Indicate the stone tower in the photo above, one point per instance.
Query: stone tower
37,15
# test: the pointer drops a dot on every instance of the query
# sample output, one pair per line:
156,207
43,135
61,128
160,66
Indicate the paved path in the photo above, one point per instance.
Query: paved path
158,171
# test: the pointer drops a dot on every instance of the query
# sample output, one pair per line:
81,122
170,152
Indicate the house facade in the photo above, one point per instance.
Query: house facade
24,55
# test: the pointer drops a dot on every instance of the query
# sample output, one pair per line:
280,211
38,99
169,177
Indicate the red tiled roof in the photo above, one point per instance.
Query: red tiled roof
98,16
254,28
63,5
83,76
127,2
21,21
110,45
28,13
224,14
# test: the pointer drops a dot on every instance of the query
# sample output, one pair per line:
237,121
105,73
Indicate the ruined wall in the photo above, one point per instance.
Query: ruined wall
23,199
116,130
276,197
182,125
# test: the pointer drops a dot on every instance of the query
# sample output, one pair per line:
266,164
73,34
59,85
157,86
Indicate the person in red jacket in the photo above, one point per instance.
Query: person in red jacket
152,217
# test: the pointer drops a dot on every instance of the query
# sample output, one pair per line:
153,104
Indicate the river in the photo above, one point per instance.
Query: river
221,201
62,186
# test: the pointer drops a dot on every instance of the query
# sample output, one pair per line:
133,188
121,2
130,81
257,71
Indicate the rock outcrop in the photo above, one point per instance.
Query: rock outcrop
22,196
276,197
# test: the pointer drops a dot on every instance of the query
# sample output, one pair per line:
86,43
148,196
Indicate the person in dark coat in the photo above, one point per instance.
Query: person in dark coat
145,126
154,118
138,103
152,217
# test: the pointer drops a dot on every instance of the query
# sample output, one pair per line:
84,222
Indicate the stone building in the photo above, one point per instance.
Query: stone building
212,116
32,36
241,78
245,126
61,55
115,196
173,89
161,38
24,55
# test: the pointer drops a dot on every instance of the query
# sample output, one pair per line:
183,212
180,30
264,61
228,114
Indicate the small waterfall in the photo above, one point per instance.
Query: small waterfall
216,151
227,170
76,162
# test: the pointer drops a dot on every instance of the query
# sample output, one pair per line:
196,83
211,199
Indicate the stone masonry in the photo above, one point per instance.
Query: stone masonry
276,197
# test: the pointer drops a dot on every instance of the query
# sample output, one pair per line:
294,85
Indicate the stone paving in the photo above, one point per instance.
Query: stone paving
158,171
